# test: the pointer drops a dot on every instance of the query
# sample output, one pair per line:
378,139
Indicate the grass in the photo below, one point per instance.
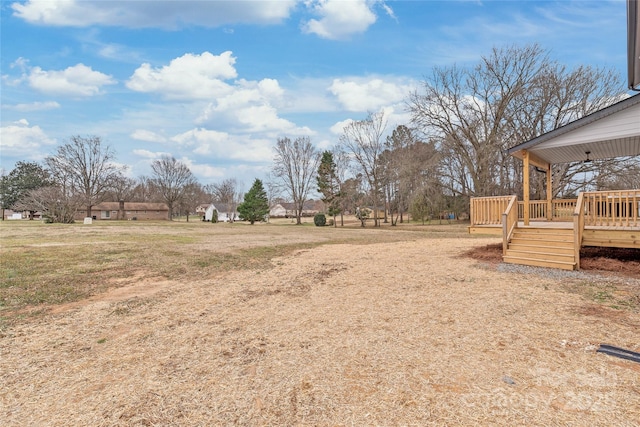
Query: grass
47,264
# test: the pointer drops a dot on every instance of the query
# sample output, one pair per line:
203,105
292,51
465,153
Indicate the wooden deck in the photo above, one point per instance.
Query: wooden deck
601,219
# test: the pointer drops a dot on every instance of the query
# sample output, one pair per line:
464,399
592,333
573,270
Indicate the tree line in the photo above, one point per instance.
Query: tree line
462,121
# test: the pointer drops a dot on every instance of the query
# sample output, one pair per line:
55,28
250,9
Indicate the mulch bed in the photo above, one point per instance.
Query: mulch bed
623,261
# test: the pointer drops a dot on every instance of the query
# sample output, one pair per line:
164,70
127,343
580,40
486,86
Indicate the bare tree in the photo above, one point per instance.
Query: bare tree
193,195
55,204
227,193
84,165
145,190
171,177
512,95
364,140
410,166
295,166
122,188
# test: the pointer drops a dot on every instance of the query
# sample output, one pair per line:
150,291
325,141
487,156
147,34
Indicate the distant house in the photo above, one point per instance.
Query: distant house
309,208
126,211
11,214
278,211
201,209
224,212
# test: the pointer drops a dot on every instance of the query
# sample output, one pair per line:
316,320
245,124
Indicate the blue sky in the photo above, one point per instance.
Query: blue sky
216,83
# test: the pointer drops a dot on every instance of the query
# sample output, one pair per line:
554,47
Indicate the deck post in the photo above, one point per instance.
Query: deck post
549,194
525,186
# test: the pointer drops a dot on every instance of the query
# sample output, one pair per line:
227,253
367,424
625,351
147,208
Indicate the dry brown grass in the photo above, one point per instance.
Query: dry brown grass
389,327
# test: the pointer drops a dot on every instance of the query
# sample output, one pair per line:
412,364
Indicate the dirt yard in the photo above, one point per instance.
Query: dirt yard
407,332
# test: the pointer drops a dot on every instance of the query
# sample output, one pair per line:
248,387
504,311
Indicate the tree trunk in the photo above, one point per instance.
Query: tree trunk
89,211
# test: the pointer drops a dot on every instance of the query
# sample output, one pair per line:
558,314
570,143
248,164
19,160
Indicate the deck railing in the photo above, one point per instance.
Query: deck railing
488,210
509,222
561,209
612,208
620,208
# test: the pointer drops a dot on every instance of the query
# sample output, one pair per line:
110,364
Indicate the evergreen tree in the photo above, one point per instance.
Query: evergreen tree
256,205
328,184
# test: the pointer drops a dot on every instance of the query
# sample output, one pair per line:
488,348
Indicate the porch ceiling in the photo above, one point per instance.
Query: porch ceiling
611,132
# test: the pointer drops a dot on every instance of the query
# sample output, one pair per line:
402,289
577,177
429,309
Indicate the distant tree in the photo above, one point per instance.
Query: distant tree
192,196
474,114
419,207
364,140
255,206
409,166
363,214
145,190
122,188
84,166
25,177
227,193
341,162
295,166
329,185
55,204
353,193
171,177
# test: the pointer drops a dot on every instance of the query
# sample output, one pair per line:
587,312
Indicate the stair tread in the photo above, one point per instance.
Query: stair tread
535,259
539,253
521,246
542,239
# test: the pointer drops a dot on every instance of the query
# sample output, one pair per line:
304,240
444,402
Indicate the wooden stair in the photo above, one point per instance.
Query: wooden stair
542,247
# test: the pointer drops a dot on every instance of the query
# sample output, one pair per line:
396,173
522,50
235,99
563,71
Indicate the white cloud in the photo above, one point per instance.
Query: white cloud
250,108
152,155
339,18
34,106
220,145
338,128
244,93
148,136
152,14
187,77
76,81
362,94
21,140
205,170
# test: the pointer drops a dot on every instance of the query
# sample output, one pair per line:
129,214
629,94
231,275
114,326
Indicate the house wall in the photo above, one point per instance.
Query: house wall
101,215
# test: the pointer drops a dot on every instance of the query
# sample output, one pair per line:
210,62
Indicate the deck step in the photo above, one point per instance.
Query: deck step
542,247
530,247
542,242
539,263
542,256
545,231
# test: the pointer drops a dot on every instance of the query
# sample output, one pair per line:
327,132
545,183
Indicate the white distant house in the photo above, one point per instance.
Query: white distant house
224,211
277,211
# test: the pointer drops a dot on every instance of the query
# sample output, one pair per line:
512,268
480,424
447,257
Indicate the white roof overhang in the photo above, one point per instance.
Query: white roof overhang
611,132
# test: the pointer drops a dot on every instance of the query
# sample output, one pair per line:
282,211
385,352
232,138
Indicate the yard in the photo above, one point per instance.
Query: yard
137,323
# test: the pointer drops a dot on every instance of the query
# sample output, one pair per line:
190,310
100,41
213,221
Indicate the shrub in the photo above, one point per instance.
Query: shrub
320,220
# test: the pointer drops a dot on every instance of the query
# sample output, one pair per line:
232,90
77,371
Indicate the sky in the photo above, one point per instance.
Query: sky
216,83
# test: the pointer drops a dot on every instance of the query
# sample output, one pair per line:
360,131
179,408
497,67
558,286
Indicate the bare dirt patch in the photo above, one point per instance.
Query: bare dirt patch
405,332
